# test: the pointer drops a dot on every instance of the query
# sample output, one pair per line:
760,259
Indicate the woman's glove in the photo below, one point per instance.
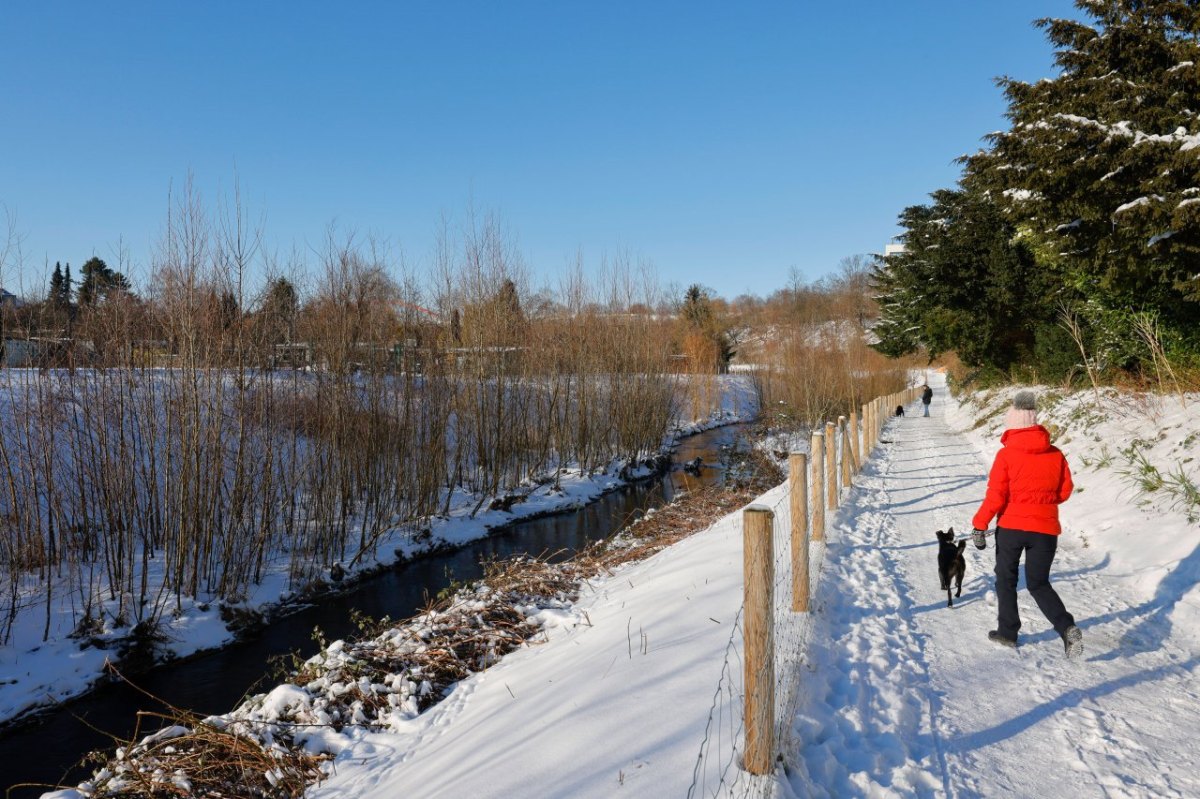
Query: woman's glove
979,538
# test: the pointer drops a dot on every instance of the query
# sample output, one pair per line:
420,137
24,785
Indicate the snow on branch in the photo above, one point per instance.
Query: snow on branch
1140,201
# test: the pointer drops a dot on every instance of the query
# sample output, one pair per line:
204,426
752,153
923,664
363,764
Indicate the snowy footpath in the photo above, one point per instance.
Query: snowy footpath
899,695
906,697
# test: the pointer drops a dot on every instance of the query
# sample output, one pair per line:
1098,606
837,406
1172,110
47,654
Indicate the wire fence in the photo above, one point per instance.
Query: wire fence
749,744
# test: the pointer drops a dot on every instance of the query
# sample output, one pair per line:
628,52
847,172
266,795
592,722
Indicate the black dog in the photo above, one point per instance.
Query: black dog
899,410
951,564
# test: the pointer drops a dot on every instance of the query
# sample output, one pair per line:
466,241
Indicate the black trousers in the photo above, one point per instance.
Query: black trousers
1039,549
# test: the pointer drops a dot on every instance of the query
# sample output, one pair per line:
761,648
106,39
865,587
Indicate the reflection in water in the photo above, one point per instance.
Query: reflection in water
46,749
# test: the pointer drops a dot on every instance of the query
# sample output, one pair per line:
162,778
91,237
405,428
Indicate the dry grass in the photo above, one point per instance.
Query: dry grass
695,511
195,759
396,670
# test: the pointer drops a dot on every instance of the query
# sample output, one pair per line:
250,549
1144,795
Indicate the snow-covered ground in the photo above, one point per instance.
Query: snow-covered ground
899,695
36,672
907,697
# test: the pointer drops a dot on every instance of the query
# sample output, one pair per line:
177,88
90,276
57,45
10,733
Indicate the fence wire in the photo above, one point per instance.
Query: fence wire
720,769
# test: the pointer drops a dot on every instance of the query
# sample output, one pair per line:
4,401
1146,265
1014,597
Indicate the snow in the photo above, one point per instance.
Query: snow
36,672
918,702
899,695
1140,201
636,688
1123,130
1020,195
619,702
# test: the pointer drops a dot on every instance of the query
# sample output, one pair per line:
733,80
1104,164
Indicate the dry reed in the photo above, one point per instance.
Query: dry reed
396,670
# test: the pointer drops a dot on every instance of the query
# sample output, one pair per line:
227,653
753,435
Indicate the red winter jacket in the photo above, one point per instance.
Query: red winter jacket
1028,481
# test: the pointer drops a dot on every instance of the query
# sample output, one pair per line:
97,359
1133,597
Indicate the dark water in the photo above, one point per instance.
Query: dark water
47,749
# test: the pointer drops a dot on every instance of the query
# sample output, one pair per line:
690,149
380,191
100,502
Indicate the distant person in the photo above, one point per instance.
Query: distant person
1028,481
926,397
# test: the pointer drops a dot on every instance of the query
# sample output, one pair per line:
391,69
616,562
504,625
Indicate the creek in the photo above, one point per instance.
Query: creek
47,748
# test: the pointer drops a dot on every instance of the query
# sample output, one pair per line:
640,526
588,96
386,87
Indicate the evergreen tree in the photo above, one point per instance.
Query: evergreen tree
228,309
964,282
90,277
508,305
91,280
704,339
58,299
279,306
697,309
58,288
97,281
117,282
896,283
1100,170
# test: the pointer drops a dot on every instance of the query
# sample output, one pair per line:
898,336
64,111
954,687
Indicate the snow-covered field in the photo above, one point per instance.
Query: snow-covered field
899,695
35,672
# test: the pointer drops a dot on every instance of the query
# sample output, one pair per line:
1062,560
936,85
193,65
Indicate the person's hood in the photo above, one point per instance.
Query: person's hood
1027,439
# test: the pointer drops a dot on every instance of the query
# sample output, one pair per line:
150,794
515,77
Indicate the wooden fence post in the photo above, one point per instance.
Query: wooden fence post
759,628
817,451
798,480
855,452
869,428
847,456
844,456
831,480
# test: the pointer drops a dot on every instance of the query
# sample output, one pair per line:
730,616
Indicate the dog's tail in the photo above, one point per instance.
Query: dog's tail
962,545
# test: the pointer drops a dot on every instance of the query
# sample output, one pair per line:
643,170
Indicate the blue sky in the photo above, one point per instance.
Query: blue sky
724,142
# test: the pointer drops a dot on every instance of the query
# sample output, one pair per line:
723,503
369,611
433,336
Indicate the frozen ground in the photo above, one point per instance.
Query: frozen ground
900,695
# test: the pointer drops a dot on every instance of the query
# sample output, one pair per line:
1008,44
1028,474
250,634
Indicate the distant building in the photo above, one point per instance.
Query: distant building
36,351
895,248
292,356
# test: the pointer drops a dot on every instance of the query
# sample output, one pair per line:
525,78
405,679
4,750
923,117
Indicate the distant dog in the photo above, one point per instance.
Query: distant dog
951,564
899,410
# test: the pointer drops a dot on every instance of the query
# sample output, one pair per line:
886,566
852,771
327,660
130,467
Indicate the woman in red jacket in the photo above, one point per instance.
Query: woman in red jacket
1029,480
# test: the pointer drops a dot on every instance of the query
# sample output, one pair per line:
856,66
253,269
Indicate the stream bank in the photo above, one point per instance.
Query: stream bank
47,749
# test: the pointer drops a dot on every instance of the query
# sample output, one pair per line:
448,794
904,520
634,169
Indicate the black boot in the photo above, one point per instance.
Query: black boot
996,637
1073,641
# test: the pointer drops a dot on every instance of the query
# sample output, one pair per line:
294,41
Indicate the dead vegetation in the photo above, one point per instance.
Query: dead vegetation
201,435
672,523
203,760
274,744
811,345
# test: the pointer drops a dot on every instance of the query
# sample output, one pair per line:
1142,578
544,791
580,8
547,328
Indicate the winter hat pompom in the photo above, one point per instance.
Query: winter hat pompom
1025,401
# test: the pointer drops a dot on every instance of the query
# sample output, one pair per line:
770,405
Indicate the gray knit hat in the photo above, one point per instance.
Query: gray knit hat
1025,401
